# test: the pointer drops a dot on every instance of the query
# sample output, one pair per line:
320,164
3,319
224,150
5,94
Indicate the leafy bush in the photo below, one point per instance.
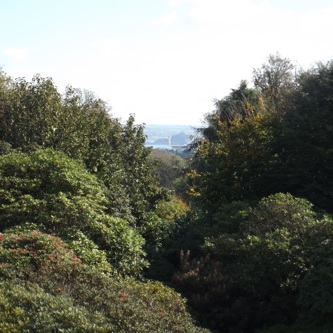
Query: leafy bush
281,210
35,251
57,195
268,269
45,288
12,318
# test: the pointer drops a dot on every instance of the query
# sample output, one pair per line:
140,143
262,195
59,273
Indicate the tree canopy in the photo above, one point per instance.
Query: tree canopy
34,115
261,184
86,213
78,216
273,148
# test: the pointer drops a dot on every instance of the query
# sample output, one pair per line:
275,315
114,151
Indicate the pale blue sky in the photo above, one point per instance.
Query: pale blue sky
163,60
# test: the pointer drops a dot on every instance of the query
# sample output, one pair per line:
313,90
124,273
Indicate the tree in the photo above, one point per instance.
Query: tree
53,193
250,276
243,102
304,164
282,147
316,296
275,80
240,104
29,112
236,166
35,115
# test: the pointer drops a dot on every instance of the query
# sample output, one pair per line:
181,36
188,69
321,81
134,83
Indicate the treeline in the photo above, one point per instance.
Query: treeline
261,188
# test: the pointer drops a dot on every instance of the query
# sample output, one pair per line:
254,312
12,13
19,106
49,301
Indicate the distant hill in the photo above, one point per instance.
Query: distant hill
169,135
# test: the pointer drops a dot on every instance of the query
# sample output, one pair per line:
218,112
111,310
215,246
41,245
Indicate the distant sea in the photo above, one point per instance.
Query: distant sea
156,133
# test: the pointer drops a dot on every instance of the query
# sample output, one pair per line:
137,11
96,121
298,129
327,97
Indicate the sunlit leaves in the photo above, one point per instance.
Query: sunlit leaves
59,196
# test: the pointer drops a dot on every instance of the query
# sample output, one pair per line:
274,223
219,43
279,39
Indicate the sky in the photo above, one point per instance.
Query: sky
165,61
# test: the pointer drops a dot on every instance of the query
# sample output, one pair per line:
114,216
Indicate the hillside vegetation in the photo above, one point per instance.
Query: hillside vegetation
98,233
78,222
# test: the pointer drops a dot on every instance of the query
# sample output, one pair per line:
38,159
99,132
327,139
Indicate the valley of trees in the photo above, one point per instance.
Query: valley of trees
99,233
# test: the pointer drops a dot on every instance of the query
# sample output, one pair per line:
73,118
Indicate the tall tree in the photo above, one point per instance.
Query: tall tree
29,112
35,115
283,146
275,80
304,146
234,153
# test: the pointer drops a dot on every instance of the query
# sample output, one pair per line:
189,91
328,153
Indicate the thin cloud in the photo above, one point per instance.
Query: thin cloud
17,53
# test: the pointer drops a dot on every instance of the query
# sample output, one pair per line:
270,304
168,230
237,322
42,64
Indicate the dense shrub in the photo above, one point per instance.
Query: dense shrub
45,288
272,268
60,197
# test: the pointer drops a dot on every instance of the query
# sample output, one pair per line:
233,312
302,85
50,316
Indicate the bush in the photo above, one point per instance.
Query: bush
35,252
263,271
57,195
45,288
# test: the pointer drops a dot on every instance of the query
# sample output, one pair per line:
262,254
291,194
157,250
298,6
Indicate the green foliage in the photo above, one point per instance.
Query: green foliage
29,112
283,144
257,269
272,253
172,210
260,259
275,80
295,329
138,179
59,196
240,104
27,253
122,244
304,161
47,188
279,211
42,311
174,220
86,249
233,168
272,249
12,318
234,156
171,215
169,169
44,287
228,219
35,115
